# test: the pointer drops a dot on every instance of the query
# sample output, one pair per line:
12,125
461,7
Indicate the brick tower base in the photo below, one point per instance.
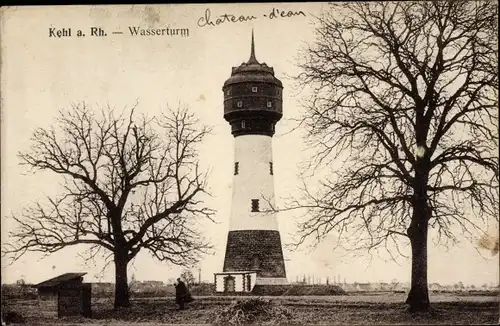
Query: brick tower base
256,250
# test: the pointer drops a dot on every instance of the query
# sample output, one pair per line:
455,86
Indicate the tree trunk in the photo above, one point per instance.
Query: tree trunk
122,297
418,298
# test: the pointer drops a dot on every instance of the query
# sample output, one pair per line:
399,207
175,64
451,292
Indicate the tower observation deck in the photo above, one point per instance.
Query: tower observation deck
253,98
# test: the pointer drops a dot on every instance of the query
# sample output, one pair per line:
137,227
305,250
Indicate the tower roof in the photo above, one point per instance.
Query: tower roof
252,70
253,59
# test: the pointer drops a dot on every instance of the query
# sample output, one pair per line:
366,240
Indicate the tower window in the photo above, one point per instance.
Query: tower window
255,262
239,104
254,89
271,168
236,168
255,205
228,92
269,104
242,124
278,91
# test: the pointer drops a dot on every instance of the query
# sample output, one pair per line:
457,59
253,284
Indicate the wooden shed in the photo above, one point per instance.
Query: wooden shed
65,295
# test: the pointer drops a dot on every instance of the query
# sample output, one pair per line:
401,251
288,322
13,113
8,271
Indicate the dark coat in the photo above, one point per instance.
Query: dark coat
182,293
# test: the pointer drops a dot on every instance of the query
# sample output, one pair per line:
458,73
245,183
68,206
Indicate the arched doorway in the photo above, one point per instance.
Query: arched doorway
229,284
249,282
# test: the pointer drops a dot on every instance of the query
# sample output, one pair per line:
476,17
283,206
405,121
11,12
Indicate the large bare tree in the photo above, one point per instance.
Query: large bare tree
404,116
129,183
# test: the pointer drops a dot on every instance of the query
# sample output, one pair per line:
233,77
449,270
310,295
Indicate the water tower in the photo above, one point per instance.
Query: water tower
253,99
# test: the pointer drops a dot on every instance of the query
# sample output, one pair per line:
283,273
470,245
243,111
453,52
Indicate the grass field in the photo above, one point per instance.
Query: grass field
387,308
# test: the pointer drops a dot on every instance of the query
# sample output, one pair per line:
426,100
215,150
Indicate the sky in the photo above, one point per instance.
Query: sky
42,74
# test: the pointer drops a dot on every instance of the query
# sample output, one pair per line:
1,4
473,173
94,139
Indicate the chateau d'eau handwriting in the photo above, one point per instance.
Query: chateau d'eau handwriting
215,20
206,20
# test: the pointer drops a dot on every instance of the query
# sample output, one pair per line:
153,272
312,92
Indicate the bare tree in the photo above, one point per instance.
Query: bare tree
404,117
188,277
21,282
129,184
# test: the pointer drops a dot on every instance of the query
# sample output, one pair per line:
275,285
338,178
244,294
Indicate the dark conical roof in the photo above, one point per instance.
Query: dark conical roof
253,59
252,70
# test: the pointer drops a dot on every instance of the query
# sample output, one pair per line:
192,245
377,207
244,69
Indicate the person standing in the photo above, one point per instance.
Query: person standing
182,295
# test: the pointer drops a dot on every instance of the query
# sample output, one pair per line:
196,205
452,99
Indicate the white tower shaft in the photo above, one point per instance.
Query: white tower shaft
253,184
